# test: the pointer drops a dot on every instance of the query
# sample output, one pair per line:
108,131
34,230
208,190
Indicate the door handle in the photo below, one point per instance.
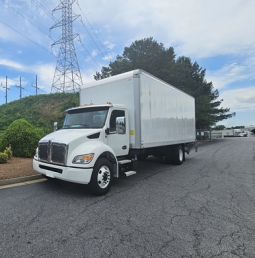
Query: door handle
124,147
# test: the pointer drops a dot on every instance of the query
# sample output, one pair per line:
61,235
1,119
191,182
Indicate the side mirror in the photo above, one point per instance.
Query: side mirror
121,125
55,126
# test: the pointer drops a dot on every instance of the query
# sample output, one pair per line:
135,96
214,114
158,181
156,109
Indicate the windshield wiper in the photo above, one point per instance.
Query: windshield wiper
76,126
80,125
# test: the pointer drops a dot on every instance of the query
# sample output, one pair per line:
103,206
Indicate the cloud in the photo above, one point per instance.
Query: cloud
12,64
94,53
232,73
239,99
109,56
45,73
87,75
109,44
193,27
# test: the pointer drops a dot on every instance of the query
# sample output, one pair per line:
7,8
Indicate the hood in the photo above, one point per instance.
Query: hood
69,135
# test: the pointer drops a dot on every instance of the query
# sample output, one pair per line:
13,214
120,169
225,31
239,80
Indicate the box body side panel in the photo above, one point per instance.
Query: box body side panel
167,114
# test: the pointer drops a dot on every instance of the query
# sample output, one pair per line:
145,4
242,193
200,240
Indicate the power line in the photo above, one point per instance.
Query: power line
107,53
48,13
45,10
27,38
25,18
89,32
91,37
79,39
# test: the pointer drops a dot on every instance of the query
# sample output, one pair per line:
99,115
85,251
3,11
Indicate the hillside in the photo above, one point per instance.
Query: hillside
40,110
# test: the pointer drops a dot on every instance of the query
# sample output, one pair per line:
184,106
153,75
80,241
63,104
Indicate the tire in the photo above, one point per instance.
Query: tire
178,155
174,155
168,155
101,179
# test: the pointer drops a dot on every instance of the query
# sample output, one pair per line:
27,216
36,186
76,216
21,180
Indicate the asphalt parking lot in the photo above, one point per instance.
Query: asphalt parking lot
203,208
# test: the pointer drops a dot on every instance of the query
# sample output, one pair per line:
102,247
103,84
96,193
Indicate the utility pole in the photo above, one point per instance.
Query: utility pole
36,85
20,88
36,88
67,76
6,88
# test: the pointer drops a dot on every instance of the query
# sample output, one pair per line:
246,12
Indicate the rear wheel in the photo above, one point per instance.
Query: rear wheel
174,155
101,178
178,155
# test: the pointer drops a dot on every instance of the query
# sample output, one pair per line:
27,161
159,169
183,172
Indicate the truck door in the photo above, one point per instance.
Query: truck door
117,136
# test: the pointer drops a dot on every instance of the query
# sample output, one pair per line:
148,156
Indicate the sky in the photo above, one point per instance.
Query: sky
218,35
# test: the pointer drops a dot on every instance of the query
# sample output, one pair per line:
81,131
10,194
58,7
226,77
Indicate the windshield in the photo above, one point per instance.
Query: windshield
86,118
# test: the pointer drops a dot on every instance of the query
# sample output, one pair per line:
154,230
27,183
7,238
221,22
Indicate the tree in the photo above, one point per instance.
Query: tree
144,54
190,78
153,57
219,127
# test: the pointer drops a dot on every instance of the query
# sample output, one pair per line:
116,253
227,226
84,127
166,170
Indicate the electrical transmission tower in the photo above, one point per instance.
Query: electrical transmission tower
67,77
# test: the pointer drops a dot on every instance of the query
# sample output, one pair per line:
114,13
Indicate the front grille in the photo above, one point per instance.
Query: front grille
58,153
52,152
43,151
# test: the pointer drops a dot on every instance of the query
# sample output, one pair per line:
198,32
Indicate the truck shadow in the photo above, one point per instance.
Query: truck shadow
148,168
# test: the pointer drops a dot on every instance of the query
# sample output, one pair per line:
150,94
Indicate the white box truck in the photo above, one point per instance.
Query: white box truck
234,133
120,119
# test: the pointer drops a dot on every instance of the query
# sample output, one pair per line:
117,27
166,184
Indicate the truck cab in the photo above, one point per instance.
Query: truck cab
88,149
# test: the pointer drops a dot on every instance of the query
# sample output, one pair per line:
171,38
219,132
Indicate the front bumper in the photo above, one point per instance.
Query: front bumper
70,174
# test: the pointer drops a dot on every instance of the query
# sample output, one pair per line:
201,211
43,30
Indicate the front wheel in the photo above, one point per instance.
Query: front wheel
101,178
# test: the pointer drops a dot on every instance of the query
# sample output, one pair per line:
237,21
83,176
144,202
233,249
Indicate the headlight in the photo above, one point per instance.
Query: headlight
83,159
36,154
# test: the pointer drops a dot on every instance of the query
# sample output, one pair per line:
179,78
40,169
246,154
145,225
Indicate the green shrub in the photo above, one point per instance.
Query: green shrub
3,158
23,138
8,151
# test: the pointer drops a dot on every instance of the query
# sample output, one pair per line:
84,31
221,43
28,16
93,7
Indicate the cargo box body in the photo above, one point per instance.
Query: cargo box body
159,114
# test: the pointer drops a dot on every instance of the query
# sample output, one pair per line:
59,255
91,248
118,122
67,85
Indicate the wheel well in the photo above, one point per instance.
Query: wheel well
109,156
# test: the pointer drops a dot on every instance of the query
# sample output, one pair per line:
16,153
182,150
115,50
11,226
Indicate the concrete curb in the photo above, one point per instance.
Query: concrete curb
19,180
